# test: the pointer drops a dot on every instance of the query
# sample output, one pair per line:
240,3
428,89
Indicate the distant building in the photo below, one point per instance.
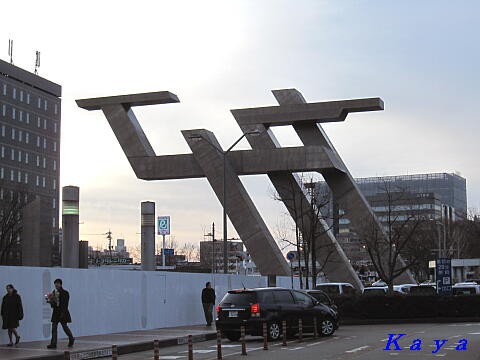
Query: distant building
30,108
119,256
211,255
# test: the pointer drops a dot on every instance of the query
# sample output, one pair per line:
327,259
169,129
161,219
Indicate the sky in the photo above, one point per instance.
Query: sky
421,58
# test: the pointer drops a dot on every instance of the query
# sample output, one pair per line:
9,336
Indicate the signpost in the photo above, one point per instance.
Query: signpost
443,276
163,226
290,257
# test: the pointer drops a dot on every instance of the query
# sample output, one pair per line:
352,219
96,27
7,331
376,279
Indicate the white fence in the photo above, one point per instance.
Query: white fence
106,301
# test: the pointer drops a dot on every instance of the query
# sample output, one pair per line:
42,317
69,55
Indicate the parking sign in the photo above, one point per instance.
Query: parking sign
163,225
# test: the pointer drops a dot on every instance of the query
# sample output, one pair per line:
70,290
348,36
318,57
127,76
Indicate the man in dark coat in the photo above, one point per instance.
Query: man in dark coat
58,300
12,313
208,300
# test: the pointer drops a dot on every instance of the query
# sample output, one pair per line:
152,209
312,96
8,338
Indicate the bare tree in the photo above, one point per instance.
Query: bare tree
191,252
307,208
11,223
403,235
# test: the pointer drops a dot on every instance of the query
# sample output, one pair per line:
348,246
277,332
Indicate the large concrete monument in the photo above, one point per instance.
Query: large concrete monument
266,157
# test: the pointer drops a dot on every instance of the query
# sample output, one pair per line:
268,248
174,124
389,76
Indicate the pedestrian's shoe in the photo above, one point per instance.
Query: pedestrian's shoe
17,340
10,344
71,342
51,346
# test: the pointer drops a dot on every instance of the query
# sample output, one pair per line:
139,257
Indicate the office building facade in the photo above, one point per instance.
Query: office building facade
30,120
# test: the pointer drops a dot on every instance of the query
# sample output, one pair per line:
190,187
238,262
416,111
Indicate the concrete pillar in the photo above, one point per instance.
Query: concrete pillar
148,235
70,226
83,255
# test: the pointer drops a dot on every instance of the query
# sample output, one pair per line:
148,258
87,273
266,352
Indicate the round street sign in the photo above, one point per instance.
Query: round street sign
291,255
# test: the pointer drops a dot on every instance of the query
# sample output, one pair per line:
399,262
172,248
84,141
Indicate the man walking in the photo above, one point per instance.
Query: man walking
208,300
58,300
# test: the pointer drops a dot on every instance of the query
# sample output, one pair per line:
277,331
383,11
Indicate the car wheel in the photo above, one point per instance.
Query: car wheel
274,331
327,327
233,336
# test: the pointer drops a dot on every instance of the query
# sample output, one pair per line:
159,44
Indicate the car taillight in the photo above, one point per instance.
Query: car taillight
255,310
218,309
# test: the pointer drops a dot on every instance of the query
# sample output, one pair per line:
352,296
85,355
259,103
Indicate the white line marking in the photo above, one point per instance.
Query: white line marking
199,351
476,333
226,346
297,348
384,339
357,349
171,357
440,354
316,343
393,353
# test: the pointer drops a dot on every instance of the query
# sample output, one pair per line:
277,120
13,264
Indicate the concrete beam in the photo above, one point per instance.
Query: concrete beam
294,113
127,101
240,208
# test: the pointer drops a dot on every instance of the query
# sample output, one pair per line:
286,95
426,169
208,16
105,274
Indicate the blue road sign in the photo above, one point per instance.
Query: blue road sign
443,271
163,225
291,256
169,251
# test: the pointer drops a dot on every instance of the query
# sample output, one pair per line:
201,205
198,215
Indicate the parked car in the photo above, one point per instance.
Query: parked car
252,307
375,290
422,290
466,288
379,283
403,288
322,297
335,289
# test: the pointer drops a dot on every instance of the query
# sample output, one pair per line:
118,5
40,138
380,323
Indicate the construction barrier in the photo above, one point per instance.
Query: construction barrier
265,336
156,350
219,345
284,332
190,347
315,331
66,355
300,330
114,352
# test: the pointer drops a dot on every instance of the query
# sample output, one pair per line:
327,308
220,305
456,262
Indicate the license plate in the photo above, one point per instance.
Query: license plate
233,314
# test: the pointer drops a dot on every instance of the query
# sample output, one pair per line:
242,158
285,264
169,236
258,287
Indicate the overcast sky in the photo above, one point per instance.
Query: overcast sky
421,58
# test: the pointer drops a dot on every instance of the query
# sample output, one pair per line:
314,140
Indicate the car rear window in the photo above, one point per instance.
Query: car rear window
320,297
241,298
464,291
283,297
265,297
329,289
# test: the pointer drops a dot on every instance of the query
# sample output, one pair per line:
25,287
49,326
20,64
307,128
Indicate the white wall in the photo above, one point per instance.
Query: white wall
106,301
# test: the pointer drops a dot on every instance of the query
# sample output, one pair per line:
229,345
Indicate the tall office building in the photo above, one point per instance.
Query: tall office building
30,162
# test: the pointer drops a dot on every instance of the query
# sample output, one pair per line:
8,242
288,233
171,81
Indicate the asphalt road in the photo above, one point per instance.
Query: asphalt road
360,342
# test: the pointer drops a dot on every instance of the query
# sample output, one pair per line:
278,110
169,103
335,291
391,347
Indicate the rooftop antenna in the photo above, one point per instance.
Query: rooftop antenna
37,61
10,50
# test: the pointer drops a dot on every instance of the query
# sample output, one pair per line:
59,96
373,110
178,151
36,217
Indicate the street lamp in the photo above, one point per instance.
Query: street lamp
224,154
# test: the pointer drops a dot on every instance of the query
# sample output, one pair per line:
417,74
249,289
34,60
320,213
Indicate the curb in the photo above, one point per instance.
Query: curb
126,348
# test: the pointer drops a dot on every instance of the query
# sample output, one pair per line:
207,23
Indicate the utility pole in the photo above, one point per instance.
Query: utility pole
110,247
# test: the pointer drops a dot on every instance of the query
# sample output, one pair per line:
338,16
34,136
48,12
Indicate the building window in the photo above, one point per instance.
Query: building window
4,110
44,143
14,93
5,89
54,184
55,127
12,153
12,175
26,158
54,165
45,124
3,151
13,133
14,111
21,95
45,105
38,160
43,181
26,178
56,109
39,103
38,181
28,98
38,121
1,194
2,173
21,116
20,135
3,130
27,137
19,155
19,177
54,146
44,163
38,141
54,203
53,223
28,118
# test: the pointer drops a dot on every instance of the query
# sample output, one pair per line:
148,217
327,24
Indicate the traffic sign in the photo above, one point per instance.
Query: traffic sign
169,251
443,272
291,256
163,225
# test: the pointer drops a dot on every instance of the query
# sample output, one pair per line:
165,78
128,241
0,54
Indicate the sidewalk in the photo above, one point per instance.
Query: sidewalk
96,346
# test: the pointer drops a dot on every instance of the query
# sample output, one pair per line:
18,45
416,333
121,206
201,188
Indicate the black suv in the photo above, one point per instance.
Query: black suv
252,307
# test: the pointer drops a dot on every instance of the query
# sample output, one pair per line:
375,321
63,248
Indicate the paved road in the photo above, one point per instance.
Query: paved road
359,342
